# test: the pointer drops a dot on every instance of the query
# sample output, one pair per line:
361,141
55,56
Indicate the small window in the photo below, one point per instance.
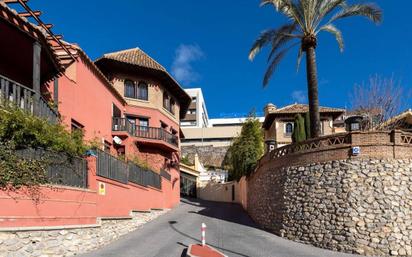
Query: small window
76,126
289,128
130,89
143,124
143,91
166,101
194,99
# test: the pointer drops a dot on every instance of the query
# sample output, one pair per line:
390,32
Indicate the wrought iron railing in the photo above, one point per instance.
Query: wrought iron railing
13,93
110,167
61,168
123,124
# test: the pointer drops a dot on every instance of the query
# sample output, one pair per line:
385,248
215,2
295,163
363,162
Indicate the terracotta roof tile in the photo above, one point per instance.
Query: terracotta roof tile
135,56
303,108
298,108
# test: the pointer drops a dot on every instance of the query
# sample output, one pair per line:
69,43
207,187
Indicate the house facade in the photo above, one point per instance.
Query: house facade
279,122
148,123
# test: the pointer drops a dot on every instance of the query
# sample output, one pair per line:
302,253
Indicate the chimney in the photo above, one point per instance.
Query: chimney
269,108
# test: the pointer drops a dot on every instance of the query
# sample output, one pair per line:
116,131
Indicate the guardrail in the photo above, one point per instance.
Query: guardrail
14,93
123,124
111,167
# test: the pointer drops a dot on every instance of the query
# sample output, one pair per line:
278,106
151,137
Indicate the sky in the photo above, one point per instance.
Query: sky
205,44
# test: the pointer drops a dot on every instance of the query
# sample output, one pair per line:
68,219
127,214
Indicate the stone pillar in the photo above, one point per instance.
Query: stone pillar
36,77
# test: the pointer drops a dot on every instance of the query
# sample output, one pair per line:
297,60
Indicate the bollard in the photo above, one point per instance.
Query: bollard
203,234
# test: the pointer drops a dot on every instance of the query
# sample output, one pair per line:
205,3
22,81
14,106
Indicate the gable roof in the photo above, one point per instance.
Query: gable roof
138,60
291,110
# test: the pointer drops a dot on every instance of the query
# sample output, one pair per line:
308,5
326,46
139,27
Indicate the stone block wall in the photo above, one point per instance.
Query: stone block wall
49,242
359,204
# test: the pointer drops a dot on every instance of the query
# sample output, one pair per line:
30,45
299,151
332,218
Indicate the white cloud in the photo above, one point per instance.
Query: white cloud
182,68
299,96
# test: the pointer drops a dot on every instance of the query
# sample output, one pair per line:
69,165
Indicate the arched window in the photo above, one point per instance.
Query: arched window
143,91
129,89
289,128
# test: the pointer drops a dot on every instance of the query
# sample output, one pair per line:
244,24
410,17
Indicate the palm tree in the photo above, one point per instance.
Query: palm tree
306,19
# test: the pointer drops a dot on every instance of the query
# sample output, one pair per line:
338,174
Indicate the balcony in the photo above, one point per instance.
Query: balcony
148,135
15,94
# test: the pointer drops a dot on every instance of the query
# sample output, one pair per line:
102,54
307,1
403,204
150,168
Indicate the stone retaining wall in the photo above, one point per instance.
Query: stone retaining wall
357,204
69,242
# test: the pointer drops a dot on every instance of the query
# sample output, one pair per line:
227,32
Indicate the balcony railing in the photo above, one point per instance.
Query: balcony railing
13,93
123,124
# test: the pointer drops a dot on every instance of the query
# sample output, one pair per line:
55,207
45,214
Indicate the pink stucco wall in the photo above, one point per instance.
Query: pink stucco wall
59,206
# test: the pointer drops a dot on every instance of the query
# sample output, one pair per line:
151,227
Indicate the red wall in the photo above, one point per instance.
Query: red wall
86,99
60,206
57,206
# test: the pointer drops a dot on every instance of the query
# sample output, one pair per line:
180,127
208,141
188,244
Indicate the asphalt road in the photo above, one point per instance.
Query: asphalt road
229,229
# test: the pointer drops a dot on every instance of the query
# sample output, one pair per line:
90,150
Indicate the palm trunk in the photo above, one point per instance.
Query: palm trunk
313,97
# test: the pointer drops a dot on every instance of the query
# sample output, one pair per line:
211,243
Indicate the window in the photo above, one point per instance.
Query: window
289,128
144,124
116,112
143,93
129,89
77,130
166,101
172,106
194,99
76,126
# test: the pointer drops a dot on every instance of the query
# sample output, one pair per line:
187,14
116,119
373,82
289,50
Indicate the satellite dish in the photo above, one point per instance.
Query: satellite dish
117,140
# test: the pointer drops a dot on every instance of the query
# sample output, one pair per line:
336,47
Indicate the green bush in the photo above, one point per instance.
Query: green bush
20,130
27,131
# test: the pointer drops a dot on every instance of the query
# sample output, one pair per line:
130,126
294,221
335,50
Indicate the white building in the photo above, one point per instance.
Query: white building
196,116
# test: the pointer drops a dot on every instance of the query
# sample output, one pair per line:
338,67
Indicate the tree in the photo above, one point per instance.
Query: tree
378,100
299,132
307,125
246,149
307,18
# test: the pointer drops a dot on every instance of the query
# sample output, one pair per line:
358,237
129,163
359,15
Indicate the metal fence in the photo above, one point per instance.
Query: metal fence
123,124
166,175
61,169
110,167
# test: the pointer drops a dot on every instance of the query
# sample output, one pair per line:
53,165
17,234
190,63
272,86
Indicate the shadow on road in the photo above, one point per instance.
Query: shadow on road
231,212
172,226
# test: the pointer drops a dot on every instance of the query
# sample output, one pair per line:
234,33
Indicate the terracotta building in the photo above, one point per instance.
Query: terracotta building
148,125
279,122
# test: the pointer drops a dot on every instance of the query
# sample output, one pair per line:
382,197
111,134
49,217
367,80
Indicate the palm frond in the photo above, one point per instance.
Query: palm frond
336,32
273,65
285,35
265,38
273,36
326,7
369,11
275,62
288,8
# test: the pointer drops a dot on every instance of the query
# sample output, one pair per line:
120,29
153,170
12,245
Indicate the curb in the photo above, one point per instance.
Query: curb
196,250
